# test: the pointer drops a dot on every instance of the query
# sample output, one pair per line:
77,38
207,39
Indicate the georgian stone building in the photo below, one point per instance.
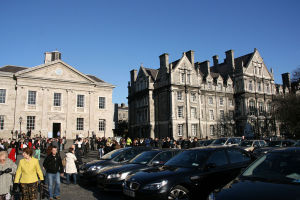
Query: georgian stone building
186,98
54,97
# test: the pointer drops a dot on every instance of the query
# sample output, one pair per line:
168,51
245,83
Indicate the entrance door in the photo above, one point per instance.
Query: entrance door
56,128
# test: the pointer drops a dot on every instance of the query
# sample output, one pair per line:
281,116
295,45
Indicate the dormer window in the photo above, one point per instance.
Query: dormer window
209,85
259,86
250,86
219,86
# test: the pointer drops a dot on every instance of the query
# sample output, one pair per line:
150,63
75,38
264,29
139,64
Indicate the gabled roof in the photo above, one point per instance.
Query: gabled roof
12,69
245,59
95,78
174,64
152,73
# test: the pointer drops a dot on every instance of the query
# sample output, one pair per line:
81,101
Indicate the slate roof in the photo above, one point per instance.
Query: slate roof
245,58
12,69
152,72
95,78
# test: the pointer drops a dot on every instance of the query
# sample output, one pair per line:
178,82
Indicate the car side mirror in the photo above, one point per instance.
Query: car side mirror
155,163
210,165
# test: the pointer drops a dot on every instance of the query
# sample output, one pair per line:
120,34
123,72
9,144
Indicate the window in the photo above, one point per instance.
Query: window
80,100
230,102
261,107
189,78
194,129
101,102
211,115
252,107
163,157
101,124
2,95
222,132
219,86
210,100
259,70
193,113
229,87
250,86
31,97
269,107
179,95
1,122
180,111
268,88
180,129
209,85
222,115
219,158
193,97
221,101
30,122
57,99
259,86
236,156
212,130
231,114
79,124
182,77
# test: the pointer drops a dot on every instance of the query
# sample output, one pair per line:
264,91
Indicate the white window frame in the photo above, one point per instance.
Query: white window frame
102,124
2,122
79,124
209,85
212,130
57,99
211,115
222,115
102,102
179,96
31,97
180,130
220,86
210,100
221,101
80,100
193,112
30,123
2,96
194,129
193,97
180,112
250,86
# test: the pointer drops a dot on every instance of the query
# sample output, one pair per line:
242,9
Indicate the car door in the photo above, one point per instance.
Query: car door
215,170
239,160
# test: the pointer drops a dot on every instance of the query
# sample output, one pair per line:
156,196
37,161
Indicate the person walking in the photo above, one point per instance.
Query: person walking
54,169
7,170
71,169
27,174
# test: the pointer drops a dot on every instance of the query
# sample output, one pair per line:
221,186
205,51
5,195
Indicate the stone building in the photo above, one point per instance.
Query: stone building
54,98
120,119
186,98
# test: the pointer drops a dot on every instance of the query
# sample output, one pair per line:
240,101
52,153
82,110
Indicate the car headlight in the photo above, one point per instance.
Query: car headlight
94,168
120,175
155,186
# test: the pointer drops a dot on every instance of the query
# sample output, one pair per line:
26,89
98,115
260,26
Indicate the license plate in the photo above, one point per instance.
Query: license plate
129,193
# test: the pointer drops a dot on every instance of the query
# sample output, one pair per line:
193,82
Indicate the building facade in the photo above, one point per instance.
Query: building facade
54,99
121,119
185,98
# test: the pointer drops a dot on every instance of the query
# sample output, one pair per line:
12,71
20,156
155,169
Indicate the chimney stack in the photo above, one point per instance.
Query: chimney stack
205,67
216,60
230,58
191,56
164,60
52,56
133,75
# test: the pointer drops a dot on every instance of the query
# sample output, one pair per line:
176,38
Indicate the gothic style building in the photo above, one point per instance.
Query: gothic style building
54,99
186,98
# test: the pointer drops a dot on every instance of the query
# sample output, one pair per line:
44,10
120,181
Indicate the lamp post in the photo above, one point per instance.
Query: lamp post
20,121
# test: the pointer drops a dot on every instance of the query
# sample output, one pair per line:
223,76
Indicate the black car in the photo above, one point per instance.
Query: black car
274,176
297,144
111,179
273,145
194,173
89,171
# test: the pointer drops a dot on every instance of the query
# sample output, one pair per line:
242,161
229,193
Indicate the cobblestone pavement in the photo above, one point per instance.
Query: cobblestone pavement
78,192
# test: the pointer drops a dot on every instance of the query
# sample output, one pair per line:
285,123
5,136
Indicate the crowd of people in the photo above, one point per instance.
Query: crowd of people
28,174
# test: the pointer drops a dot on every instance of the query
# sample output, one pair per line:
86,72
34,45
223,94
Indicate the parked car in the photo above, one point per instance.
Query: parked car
274,176
273,145
88,172
250,145
226,141
194,173
205,142
297,144
111,179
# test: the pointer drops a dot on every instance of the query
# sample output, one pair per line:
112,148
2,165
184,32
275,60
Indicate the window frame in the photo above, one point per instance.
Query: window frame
31,97
56,100
180,130
102,125
2,96
30,122
102,102
2,122
80,102
79,126
180,113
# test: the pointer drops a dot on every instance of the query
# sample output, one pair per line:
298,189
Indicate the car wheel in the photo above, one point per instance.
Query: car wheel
179,193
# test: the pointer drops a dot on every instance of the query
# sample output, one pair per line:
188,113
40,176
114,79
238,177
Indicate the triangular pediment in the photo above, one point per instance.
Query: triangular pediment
142,73
256,61
184,63
57,70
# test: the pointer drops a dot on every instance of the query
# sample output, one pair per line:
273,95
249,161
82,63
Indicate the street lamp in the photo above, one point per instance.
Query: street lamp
20,121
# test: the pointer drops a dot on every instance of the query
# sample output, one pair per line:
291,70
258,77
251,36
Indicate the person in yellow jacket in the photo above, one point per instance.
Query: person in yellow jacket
26,174
128,142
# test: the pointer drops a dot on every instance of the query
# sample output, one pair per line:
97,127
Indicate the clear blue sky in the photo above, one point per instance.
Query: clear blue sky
109,38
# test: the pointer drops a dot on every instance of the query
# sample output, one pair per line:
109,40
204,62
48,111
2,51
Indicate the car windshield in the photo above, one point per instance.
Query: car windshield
246,143
188,159
112,154
276,166
220,141
274,144
144,157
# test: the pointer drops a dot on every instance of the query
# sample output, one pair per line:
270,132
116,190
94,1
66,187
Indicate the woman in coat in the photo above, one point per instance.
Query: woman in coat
71,169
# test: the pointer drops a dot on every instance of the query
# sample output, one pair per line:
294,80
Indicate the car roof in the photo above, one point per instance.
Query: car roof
287,150
211,148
